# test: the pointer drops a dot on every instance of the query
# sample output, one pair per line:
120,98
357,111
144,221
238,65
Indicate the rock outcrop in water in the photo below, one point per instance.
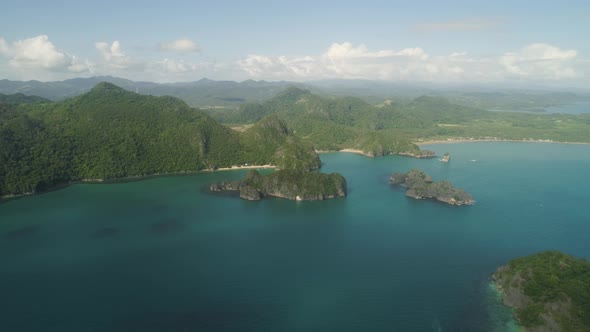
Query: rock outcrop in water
289,184
446,158
421,154
549,291
421,186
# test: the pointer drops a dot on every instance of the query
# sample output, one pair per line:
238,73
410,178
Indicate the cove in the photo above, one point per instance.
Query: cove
164,254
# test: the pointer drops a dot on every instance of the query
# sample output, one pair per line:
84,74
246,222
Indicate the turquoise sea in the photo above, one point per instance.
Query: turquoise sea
163,254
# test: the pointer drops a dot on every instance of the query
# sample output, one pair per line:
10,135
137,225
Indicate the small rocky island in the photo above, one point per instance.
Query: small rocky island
289,184
549,291
420,186
420,154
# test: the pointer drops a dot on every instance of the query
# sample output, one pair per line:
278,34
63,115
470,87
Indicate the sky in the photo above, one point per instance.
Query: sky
399,41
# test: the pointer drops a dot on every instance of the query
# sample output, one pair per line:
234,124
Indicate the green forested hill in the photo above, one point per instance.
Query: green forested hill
19,98
550,291
271,140
348,122
111,133
204,93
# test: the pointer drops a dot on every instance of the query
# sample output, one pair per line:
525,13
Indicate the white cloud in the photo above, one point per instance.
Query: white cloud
40,53
178,66
281,67
180,45
116,62
113,55
80,66
347,50
458,54
541,61
39,58
3,46
346,61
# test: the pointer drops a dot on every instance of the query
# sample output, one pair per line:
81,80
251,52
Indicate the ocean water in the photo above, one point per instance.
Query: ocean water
163,254
573,108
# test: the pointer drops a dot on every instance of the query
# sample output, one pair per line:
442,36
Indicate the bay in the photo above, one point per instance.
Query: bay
581,107
163,254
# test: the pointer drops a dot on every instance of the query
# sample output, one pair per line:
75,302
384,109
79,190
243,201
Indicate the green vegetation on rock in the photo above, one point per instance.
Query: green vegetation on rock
420,186
271,141
328,123
19,98
289,184
550,291
331,123
110,133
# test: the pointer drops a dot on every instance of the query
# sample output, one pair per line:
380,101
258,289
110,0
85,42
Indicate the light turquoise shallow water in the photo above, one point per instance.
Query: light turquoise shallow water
164,255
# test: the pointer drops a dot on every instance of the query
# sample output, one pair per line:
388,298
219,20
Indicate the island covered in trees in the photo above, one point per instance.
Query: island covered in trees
110,133
289,184
549,291
420,186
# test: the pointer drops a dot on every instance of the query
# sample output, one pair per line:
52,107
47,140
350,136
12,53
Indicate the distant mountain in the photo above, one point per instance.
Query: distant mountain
337,122
59,90
210,94
109,133
333,123
19,98
485,96
204,93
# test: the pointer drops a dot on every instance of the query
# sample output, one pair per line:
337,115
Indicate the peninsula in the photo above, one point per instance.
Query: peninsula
289,184
109,134
549,291
420,186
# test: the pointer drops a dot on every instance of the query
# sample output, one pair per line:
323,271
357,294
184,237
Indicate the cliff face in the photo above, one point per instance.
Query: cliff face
421,186
293,185
550,291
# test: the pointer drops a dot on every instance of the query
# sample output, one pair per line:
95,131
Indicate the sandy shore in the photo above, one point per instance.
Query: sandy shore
470,140
343,150
353,151
238,167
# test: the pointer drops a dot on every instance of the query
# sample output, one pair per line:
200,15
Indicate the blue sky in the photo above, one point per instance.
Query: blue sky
440,41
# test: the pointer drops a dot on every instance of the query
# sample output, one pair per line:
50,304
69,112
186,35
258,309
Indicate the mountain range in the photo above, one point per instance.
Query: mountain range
210,94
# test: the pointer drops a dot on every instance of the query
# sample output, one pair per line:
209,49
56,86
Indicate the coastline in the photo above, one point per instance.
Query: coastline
7,198
498,294
356,151
475,140
232,168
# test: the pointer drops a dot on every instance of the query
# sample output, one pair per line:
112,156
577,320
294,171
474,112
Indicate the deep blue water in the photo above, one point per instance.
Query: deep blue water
164,255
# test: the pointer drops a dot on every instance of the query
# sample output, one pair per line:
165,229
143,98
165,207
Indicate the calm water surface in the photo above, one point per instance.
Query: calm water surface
164,255
573,108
